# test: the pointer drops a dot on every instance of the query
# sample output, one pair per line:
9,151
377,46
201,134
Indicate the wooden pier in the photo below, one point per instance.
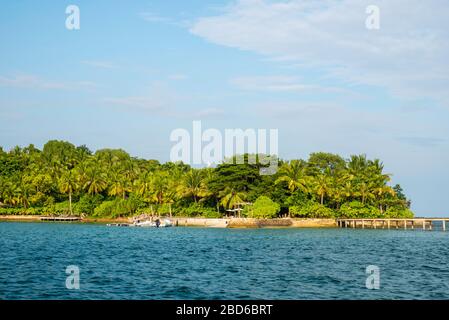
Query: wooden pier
65,219
406,224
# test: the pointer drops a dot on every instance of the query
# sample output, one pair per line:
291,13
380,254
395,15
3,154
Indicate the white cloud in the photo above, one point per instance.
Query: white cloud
178,76
30,81
153,17
210,112
100,64
142,103
278,84
34,82
408,55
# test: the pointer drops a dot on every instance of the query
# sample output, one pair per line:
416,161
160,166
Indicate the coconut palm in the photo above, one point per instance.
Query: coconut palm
118,185
194,185
322,186
95,179
68,184
365,192
160,186
294,173
230,198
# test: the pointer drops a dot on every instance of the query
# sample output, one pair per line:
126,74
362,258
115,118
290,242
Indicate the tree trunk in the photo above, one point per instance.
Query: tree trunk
70,202
322,198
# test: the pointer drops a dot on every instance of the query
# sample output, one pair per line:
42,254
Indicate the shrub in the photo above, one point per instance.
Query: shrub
196,209
395,212
117,208
356,209
21,211
87,204
298,198
60,208
109,209
264,207
311,210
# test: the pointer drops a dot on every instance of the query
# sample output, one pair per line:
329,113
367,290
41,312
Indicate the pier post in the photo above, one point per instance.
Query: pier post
413,224
430,225
374,224
444,225
424,224
363,224
388,224
405,224
353,224
397,224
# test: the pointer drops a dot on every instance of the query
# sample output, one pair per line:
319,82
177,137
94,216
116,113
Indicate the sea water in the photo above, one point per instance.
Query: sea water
210,263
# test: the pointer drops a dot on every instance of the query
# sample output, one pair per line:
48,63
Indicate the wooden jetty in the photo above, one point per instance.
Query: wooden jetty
406,224
56,218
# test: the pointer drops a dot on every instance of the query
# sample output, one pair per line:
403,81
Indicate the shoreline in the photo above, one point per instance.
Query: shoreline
205,222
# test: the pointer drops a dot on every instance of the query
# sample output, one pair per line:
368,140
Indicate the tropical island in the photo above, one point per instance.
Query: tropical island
64,179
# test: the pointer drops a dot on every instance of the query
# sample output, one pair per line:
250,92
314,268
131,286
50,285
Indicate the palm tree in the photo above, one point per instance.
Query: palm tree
381,192
294,173
143,185
9,193
347,190
365,191
159,186
95,179
322,186
118,185
68,184
231,198
194,184
357,165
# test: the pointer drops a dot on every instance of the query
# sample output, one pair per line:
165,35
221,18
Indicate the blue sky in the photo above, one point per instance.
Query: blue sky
136,70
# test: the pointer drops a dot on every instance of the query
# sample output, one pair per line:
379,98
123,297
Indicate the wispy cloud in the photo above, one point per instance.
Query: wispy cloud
153,17
36,82
422,141
142,103
100,64
30,81
156,18
177,76
210,113
278,84
407,56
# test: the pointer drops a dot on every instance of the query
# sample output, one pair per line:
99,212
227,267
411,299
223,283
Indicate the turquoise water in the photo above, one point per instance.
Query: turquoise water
200,263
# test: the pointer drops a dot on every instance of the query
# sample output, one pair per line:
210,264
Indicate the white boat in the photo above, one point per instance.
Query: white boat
144,224
147,223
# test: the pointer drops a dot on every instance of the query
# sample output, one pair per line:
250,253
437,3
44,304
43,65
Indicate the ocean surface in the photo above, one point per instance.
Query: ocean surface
205,263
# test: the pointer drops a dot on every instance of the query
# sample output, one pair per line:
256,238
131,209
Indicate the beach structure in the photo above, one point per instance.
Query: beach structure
61,218
406,224
238,207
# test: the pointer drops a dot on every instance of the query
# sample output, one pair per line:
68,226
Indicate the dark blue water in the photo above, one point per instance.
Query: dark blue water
199,263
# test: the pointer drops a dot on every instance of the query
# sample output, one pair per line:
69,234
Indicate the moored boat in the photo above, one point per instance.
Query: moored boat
156,224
